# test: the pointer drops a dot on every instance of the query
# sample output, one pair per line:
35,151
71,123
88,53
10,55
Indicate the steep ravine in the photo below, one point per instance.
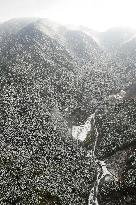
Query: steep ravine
80,133
102,171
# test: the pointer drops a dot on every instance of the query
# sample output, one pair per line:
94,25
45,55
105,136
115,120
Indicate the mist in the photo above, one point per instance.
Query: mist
96,14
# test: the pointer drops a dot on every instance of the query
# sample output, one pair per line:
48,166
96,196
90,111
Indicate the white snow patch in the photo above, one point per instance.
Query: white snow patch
80,132
104,169
119,95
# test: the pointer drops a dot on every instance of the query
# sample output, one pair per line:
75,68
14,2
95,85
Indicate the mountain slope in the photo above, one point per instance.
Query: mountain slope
52,78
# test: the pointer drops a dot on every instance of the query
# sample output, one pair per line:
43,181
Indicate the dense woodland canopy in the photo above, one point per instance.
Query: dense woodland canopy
51,79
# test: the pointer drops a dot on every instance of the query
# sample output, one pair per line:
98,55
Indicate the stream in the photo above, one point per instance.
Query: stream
80,133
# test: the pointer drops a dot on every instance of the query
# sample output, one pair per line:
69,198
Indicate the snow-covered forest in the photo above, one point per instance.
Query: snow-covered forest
67,114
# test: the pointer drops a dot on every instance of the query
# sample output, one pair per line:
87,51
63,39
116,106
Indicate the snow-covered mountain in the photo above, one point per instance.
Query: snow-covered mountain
67,114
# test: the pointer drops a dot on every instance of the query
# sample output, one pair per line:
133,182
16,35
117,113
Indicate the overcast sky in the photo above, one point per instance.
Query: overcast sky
96,14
